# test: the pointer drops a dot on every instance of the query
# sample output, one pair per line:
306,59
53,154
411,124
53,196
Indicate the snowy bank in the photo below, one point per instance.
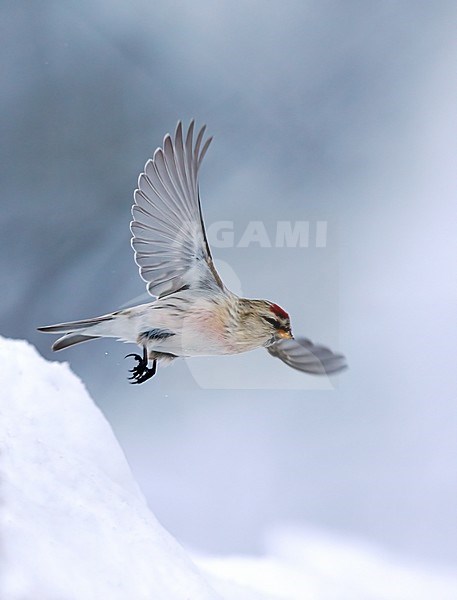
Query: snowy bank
74,525
73,522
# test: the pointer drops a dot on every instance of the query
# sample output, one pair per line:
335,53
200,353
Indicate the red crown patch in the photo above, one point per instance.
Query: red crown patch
278,311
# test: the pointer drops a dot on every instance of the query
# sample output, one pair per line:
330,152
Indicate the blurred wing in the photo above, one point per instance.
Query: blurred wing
303,355
169,239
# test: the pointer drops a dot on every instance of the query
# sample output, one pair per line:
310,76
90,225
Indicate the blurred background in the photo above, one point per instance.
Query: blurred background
322,111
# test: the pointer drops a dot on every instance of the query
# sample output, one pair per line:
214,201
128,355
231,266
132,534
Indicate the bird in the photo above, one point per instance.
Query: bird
192,313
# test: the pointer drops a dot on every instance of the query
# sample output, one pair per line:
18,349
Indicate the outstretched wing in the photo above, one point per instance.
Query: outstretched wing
169,239
303,355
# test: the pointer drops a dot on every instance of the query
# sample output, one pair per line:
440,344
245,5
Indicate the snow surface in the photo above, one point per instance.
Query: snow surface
308,564
75,526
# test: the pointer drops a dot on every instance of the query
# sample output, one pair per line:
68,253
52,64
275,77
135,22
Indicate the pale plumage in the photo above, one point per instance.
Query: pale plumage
194,313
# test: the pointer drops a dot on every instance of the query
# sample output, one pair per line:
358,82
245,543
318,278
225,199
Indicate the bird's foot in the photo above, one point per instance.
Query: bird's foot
141,372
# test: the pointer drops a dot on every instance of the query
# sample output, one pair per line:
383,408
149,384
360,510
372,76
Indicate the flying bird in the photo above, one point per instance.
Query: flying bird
192,313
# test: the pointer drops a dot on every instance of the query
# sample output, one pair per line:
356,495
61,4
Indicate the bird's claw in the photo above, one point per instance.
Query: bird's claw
141,372
139,368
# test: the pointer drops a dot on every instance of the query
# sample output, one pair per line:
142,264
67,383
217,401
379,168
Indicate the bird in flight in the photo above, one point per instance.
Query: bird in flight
192,313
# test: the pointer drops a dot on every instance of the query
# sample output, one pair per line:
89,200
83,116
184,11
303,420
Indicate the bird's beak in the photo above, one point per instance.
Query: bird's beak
285,335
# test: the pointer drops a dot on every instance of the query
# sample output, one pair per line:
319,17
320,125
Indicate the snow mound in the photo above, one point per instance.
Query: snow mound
73,523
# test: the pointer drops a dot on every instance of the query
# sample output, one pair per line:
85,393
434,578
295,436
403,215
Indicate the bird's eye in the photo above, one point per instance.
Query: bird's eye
273,322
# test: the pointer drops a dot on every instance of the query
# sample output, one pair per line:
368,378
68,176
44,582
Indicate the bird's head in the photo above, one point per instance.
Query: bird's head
264,321
277,321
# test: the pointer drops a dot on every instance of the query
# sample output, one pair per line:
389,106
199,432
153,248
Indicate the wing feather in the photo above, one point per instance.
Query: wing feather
169,239
180,161
303,355
204,149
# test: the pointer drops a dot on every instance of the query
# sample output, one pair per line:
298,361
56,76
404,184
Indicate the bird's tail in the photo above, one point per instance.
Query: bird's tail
78,331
